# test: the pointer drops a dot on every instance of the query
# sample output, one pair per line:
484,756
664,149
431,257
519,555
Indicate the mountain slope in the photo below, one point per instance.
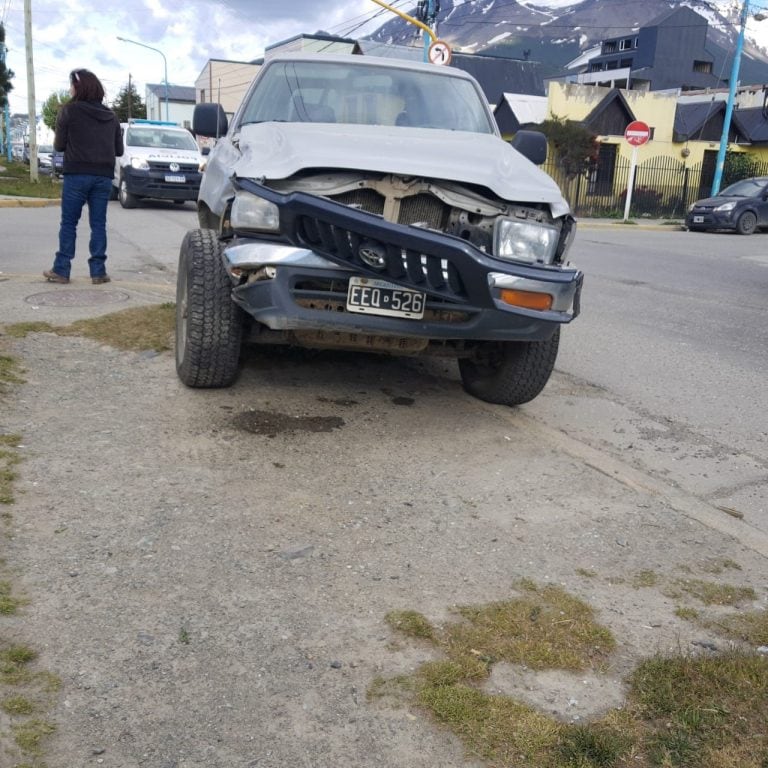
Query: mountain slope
555,33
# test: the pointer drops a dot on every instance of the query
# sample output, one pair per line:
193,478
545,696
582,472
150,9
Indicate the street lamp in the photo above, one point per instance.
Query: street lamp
720,164
165,66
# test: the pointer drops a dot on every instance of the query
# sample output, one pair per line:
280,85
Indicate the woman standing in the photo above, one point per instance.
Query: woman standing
89,135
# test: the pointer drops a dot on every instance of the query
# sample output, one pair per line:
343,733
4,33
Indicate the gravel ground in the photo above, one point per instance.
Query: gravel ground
209,571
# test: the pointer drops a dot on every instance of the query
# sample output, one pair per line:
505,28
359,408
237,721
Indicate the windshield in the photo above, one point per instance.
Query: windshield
158,138
319,92
45,148
744,188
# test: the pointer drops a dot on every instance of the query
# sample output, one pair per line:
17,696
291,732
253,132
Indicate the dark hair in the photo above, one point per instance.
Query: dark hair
87,86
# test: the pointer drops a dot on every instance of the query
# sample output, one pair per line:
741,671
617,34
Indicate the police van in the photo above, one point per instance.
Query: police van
161,161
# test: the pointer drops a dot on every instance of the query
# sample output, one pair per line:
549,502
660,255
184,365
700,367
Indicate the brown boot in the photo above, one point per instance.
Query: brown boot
54,277
101,279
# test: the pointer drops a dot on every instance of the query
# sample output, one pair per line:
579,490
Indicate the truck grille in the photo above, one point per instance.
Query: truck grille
156,165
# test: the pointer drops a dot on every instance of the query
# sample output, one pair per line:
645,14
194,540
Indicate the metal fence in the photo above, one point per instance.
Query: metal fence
663,186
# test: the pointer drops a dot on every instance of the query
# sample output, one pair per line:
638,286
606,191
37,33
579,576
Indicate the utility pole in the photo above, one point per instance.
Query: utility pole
5,137
433,6
30,91
129,97
720,164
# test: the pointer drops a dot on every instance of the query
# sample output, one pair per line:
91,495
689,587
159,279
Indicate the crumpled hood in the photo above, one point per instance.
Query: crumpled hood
278,150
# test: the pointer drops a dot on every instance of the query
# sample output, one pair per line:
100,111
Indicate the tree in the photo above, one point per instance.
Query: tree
574,145
128,104
52,106
6,75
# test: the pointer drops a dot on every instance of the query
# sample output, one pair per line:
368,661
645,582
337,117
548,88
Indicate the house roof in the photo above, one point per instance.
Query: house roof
614,95
175,92
691,117
527,109
752,124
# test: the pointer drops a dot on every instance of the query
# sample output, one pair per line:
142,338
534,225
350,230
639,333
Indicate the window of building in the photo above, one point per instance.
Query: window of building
609,47
625,63
626,44
703,66
613,64
202,96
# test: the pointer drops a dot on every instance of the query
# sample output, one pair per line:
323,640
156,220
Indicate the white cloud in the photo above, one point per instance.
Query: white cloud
75,33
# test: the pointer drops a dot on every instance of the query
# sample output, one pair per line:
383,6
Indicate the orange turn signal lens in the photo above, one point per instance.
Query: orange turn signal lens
526,299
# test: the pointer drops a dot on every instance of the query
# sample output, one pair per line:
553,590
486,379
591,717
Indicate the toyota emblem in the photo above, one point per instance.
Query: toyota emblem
373,254
175,167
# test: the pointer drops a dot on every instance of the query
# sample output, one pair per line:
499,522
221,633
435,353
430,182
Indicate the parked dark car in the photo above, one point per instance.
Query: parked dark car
742,207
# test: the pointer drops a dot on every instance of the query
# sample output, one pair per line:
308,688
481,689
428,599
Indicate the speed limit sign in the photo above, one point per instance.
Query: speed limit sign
439,53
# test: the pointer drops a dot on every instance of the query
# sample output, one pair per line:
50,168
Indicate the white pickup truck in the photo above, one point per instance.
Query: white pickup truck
371,204
161,161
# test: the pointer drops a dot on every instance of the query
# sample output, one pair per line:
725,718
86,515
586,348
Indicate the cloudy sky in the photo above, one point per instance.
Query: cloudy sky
77,33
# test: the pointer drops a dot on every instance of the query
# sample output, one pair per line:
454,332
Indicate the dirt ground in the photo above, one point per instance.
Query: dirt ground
209,571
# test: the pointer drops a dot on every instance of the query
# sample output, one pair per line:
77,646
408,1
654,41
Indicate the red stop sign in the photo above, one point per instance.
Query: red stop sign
637,133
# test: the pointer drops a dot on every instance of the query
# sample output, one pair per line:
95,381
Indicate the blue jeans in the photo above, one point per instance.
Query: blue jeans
79,189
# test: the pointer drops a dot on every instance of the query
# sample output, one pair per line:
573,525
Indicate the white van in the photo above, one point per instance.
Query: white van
161,161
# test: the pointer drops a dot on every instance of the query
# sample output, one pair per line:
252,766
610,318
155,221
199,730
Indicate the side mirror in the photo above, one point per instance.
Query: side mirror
531,144
205,151
209,120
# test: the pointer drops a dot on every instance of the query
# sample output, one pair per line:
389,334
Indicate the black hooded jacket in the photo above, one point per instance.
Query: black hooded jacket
89,135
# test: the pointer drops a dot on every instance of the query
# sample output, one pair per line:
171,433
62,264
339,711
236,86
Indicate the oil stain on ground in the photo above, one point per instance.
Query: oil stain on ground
273,424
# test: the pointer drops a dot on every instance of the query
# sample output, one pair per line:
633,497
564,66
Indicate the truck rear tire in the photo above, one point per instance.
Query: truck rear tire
509,372
209,325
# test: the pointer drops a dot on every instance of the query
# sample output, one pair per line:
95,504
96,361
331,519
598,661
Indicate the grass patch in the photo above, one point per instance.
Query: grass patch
9,458
545,628
30,734
134,329
645,579
15,181
8,605
689,614
681,711
713,593
17,705
10,372
749,627
719,565
410,623
586,573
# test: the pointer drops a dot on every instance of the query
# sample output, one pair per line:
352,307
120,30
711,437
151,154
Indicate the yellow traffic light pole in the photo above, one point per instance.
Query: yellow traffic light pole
408,18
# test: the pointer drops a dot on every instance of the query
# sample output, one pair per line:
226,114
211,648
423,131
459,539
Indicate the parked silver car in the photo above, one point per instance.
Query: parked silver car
363,203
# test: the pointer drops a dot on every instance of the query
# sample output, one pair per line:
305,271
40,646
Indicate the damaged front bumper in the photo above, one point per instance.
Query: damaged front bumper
468,295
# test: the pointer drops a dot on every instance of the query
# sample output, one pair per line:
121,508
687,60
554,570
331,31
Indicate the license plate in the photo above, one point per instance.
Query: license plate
378,297
176,179
698,219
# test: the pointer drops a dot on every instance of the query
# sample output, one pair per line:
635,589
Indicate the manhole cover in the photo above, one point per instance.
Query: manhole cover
78,297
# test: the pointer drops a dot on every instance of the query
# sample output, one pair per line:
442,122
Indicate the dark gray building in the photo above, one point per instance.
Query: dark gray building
667,53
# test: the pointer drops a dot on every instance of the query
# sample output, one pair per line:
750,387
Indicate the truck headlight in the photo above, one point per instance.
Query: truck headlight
255,213
524,241
139,163
725,207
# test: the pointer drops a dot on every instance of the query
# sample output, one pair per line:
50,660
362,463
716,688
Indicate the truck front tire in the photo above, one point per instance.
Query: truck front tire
209,325
127,200
509,372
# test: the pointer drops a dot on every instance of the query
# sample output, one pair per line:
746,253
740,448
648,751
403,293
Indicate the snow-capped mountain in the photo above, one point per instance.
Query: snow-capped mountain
556,31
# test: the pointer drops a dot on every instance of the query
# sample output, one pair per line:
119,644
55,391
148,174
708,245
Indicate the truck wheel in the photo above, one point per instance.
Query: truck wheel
509,372
747,223
209,325
127,200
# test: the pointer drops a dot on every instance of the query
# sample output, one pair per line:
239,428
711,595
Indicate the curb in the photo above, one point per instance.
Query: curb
29,202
